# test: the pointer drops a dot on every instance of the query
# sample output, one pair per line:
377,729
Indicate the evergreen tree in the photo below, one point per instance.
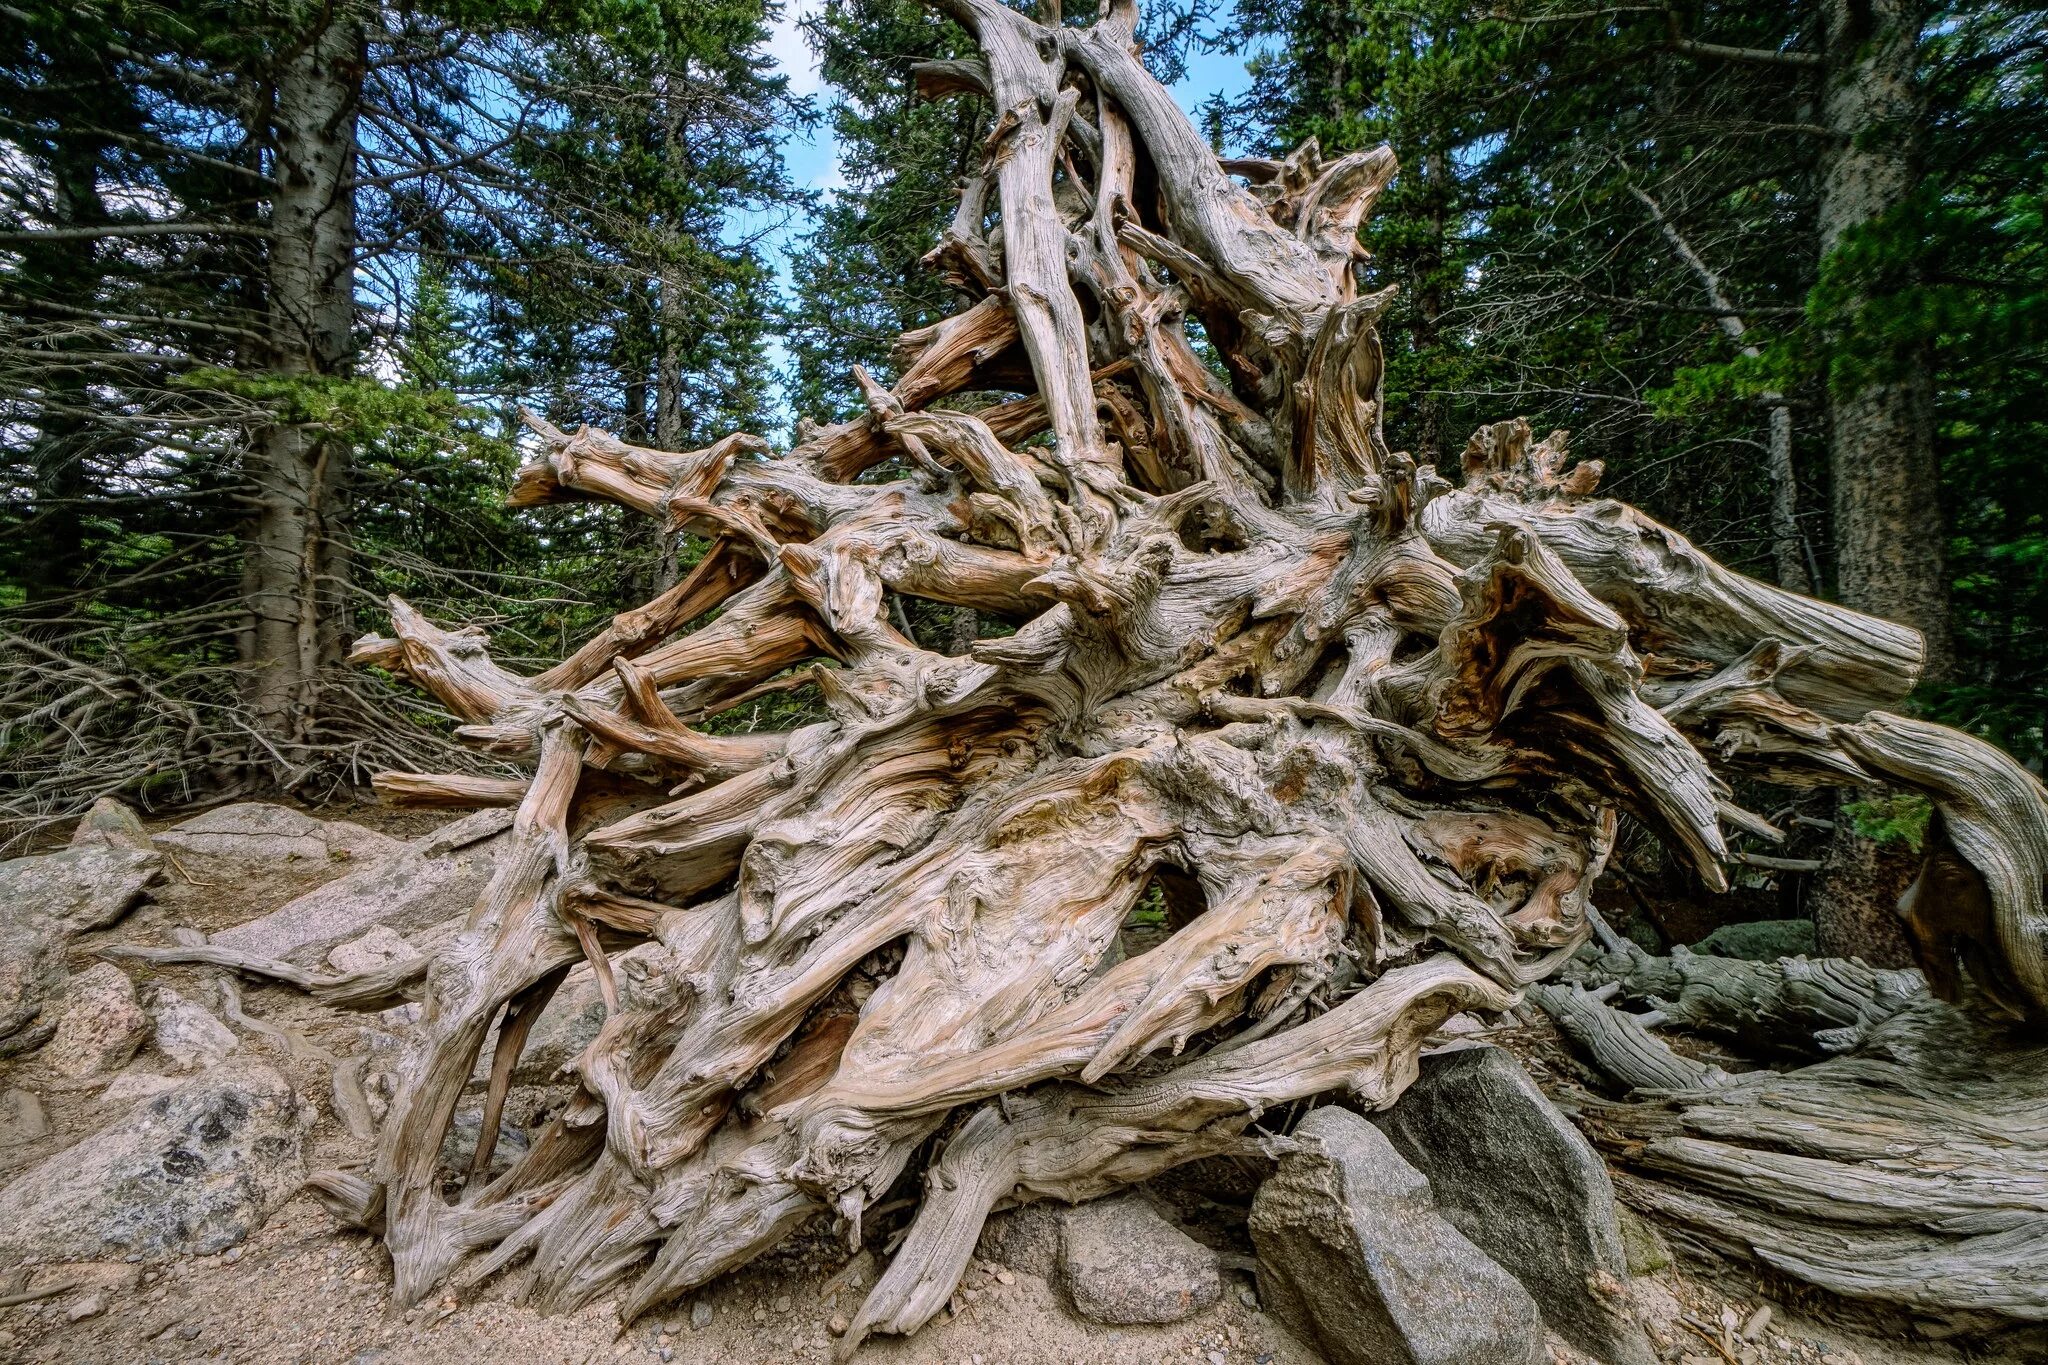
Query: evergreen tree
233,225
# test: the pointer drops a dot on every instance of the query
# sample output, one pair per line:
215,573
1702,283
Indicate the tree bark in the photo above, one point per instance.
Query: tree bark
1889,538
1902,1171
68,271
296,557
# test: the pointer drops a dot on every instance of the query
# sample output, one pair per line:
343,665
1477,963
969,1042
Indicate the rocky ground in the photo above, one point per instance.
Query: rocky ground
156,1122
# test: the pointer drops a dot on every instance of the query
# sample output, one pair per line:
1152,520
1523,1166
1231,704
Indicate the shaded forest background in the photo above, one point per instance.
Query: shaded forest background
276,278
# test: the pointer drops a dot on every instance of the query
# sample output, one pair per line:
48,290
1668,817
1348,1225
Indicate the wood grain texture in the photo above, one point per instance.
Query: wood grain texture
1369,725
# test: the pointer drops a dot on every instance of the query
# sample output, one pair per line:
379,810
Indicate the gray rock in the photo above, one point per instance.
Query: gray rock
1121,1262
49,900
21,1117
420,885
1512,1173
700,1315
31,976
1641,1243
195,1170
459,1146
83,888
1026,1239
252,831
379,947
1354,1257
114,823
569,1024
102,1026
130,1086
188,1037
1764,940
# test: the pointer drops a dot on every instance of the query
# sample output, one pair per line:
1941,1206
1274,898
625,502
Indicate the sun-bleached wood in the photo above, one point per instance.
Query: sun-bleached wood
1368,726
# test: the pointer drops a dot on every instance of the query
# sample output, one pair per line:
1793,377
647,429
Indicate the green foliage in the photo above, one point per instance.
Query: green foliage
1894,820
1536,280
857,273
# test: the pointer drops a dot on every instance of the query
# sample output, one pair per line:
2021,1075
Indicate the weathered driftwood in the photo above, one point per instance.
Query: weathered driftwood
1366,726
1910,1171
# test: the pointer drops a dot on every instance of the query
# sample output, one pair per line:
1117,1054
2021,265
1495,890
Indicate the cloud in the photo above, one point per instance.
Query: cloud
793,56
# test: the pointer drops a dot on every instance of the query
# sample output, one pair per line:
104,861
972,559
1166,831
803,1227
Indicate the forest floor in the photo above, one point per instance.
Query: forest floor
301,1290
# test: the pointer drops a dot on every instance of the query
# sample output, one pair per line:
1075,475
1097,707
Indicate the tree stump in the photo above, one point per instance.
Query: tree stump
1368,727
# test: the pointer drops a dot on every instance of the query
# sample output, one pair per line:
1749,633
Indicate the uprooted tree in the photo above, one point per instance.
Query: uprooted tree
1367,732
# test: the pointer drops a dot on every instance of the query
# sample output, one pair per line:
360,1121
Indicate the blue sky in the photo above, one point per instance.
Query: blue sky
813,158
813,161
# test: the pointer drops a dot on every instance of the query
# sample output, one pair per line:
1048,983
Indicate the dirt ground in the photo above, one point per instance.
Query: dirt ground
302,1291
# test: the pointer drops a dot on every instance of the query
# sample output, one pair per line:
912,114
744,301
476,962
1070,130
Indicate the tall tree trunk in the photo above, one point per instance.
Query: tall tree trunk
67,271
1889,552
296,561
1888,528
1429,294
669,421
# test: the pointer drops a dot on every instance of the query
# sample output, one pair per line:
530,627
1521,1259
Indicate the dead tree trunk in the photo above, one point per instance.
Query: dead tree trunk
1908,1171
1371,728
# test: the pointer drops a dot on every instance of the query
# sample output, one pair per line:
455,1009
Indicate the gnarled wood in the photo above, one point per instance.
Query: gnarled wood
1373,731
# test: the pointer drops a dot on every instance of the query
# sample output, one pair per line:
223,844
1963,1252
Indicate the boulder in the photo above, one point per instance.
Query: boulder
88,887
194,1170
111,822
187,1036
1026,1239
131,1086
253,831
1512,1173
1355,1259
31,976
21,1117
568,1025
380,947
1122,1263
1763,940
422,884
48,901
459,1147
1645,1247
102,1027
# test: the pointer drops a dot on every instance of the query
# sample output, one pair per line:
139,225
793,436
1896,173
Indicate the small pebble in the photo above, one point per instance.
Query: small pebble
700,1315
1005,1277
1218,1358
233,1255
91,1306
837,1327
782,1303
760,1315
1247,1296
1758,1321
188,1330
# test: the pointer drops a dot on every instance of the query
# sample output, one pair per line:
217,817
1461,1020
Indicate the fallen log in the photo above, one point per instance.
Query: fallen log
1908,1172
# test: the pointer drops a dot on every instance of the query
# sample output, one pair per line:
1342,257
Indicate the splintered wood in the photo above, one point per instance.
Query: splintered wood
1367,724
